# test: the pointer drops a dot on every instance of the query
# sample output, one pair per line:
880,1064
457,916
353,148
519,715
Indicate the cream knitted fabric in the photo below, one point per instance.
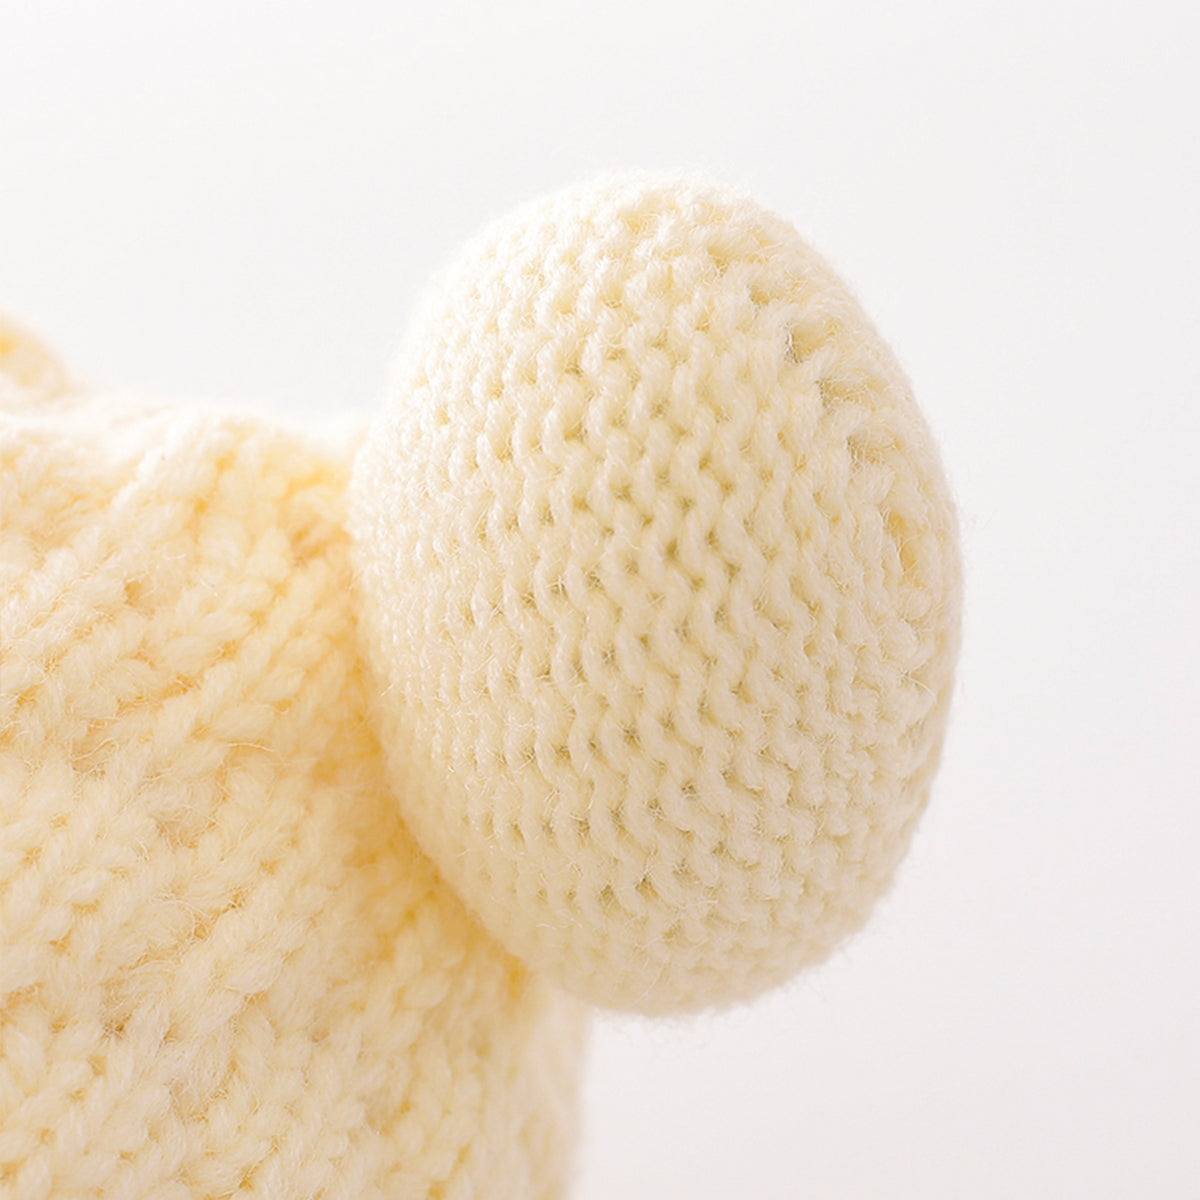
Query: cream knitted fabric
225,969
658,582
661,574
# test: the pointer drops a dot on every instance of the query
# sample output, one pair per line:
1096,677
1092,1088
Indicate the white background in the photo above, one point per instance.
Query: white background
243,200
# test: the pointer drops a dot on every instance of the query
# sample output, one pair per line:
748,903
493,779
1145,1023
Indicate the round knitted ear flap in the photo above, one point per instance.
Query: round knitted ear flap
660,579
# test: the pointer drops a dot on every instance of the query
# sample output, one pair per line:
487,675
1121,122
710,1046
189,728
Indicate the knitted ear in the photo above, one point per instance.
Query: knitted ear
660,579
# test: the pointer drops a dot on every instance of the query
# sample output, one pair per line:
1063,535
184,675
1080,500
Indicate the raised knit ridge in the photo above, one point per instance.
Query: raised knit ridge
660,571
225,968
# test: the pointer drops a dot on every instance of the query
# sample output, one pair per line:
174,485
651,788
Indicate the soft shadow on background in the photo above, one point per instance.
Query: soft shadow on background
244,200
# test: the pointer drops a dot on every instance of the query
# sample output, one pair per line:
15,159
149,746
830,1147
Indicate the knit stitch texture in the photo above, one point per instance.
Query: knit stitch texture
662,576
610,663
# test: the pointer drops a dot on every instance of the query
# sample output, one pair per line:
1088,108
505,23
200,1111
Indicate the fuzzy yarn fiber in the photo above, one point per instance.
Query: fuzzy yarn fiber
610,663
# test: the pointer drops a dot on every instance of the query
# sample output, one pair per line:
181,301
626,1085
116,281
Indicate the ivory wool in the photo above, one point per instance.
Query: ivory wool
610,664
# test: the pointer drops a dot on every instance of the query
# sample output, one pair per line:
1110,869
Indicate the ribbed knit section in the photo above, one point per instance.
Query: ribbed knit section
225,968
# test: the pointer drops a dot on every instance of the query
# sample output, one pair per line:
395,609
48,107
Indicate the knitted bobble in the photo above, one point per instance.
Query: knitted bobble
29,371
660,577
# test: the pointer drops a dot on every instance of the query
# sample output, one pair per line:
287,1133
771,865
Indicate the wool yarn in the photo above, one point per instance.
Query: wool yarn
610,662
661,575
225,968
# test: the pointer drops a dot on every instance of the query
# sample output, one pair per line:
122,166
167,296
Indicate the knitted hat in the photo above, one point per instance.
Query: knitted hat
612,662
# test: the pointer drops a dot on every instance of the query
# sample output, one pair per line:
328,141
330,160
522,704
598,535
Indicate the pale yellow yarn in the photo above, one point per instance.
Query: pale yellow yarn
659,583
225,969
662,575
